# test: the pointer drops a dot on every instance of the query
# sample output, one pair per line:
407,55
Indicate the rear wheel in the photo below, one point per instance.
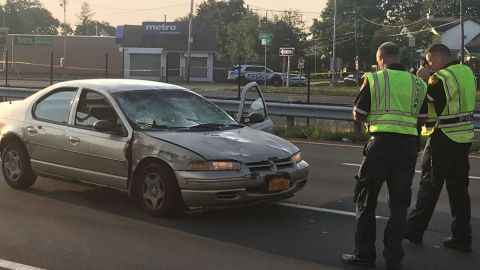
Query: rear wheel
157,191
16,167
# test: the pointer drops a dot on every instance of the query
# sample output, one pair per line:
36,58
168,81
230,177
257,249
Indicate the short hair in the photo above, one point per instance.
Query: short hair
438,48
389,49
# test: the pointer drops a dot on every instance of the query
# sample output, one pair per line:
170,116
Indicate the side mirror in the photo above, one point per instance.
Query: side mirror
105,126
253,118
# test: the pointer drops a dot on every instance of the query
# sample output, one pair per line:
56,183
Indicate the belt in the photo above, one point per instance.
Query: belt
389,135
454,120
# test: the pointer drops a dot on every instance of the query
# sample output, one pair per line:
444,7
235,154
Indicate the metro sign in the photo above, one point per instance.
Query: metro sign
287,51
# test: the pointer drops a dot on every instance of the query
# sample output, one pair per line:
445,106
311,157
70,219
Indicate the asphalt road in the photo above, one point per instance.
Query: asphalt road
59,225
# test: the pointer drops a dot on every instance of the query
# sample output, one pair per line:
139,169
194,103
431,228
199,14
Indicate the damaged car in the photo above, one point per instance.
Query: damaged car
167,146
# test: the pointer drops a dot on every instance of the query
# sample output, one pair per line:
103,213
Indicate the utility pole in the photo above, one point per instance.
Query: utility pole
357,64
189,46
63,60
334,66
462,46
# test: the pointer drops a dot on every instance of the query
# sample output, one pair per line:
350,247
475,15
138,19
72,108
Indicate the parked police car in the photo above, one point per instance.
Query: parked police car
255,73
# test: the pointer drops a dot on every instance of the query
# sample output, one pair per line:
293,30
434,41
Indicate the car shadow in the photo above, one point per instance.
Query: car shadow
307,235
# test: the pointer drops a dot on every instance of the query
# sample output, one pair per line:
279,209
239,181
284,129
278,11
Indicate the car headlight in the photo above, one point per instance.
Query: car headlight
214,166
297,157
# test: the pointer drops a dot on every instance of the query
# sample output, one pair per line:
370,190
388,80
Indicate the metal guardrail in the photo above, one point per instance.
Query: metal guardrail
278,109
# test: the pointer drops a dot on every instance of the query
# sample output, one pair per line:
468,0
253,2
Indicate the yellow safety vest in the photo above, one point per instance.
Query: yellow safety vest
396,99
456,120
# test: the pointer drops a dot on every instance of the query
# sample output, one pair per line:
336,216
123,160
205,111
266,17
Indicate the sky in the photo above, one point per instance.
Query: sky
120,12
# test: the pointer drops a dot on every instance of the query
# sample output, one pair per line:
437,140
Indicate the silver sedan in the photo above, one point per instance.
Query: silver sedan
168,147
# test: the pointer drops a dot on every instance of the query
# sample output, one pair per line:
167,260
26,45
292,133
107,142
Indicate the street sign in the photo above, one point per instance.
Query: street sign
286,51
266,42
265,36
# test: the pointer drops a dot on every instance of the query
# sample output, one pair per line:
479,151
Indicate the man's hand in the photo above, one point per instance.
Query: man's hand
423,73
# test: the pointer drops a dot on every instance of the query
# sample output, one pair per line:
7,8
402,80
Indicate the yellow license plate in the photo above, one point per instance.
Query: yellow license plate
277,184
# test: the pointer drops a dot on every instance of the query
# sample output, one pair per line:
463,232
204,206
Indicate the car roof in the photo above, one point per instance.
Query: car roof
118,85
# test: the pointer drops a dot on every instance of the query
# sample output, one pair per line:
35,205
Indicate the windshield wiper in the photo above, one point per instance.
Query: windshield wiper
154,125
215,126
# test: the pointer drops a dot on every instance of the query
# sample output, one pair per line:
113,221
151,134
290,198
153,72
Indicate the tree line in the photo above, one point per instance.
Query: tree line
238,26
30,17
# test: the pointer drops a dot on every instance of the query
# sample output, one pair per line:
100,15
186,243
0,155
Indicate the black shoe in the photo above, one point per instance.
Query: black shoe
355,260
414,239
453,243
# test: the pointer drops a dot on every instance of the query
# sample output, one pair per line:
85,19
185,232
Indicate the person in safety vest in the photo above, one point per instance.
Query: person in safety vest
451,93
391,102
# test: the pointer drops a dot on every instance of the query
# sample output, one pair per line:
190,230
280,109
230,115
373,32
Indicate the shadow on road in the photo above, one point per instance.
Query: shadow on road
301,234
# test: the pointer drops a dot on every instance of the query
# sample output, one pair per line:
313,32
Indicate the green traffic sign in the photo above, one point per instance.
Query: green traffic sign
265,36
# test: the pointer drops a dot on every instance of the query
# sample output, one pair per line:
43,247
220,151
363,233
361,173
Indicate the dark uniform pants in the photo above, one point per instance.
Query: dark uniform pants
443,160
392,159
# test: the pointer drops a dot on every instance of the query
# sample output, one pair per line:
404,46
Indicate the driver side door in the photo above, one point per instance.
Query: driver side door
96,156
252,111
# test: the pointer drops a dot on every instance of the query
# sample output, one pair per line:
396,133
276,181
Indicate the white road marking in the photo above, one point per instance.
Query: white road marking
345,145
325,210
16,266
417,171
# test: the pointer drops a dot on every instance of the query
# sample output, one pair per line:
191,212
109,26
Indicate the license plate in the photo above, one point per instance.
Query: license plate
278,183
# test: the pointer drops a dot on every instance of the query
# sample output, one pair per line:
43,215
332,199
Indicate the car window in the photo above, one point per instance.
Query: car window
55,107
253,106
92,107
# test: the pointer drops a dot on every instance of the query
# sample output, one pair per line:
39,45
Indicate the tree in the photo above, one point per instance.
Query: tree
68,29
322,30
449,8
28,17
288,30
86,26
220,15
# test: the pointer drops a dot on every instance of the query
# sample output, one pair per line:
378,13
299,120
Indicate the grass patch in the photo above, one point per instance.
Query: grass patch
316,90
475,147
322,130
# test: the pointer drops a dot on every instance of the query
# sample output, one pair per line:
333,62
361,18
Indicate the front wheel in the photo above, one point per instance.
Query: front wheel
157,191
16,167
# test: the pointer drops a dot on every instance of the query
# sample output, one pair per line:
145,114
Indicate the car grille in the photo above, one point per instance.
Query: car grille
269,165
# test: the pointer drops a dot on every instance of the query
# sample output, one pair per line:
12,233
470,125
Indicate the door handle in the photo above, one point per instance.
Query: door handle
73,140
31,131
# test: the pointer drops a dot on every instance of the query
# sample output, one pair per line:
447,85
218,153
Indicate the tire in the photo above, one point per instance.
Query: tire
157,191
16,167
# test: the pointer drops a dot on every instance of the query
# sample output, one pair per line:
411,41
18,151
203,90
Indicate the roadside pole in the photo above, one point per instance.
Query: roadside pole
308,86
51,67
239,81
106,64
265,68
288,71
266,40
287,52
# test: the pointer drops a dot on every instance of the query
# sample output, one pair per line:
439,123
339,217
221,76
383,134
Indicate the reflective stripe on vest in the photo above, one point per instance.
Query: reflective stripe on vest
456,120
395,102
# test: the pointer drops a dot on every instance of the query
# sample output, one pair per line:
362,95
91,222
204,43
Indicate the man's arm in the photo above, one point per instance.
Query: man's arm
362,104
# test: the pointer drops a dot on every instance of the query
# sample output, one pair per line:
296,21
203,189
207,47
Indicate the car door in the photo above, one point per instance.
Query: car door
98,157
44,136
253,110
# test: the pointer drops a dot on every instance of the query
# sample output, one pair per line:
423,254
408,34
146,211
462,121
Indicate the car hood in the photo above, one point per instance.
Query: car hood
242,144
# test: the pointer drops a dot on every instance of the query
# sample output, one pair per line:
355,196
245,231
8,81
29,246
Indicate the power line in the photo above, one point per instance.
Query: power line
283,11
409,24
